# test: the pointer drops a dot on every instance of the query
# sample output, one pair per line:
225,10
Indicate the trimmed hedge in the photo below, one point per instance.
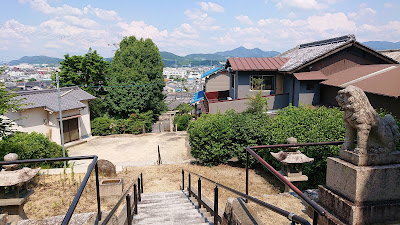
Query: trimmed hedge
31,146
217,138
102,126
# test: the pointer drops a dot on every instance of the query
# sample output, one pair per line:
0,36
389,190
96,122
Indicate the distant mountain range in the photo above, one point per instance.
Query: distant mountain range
36,60
170,59
382,45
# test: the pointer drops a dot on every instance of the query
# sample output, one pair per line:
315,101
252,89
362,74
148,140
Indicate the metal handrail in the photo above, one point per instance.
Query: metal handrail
310,202
123,196
75,201
290,216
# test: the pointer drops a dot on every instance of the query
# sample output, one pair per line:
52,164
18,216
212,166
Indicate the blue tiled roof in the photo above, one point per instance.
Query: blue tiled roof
198,96
212,71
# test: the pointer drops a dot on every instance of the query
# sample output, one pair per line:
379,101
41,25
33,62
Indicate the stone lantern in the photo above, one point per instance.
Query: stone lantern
13,188
292,162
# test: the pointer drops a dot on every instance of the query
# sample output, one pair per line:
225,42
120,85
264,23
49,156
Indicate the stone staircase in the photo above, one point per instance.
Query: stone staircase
170,208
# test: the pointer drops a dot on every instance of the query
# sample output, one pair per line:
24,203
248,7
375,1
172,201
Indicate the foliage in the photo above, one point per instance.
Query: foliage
256,102
182,121
31,79
102,126
184,108
138,121
90,71
7,103
216,138
31,146
210,138
136,81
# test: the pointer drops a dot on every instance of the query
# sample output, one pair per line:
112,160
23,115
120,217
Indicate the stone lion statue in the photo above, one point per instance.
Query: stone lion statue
375,135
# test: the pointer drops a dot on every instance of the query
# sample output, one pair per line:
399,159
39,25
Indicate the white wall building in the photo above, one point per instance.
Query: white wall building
175,72
41,113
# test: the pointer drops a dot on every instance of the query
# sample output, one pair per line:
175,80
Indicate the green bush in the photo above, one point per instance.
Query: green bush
182,121
102,126
211,138
31,146
216,138
138,121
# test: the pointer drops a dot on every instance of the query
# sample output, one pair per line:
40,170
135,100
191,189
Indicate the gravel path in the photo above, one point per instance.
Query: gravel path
135,150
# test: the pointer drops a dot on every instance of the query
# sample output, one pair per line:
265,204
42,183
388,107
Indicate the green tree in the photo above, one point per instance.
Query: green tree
7,103
256,102
90,71
31,79
136,81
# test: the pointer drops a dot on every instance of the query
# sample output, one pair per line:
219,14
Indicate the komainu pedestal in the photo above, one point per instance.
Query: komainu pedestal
363,183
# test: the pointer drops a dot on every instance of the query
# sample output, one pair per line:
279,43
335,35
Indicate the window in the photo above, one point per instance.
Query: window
309,86
262,82
233,81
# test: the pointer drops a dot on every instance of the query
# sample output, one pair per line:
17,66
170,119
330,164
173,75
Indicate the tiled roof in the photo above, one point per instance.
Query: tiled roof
305,53
394,54
49,98
257,64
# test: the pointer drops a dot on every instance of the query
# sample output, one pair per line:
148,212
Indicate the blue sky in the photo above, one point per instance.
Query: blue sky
57,27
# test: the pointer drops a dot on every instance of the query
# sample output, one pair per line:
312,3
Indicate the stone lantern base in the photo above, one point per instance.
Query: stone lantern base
361,194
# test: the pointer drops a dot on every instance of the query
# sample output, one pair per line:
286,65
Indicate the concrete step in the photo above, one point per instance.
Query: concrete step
169,208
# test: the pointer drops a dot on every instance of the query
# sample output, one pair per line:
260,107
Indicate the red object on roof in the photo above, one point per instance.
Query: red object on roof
257,64
383,79
313,75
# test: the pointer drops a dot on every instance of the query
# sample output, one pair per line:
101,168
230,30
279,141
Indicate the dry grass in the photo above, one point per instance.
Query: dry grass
54,193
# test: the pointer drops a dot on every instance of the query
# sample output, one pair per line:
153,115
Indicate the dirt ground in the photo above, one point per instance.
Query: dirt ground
135,150
54,193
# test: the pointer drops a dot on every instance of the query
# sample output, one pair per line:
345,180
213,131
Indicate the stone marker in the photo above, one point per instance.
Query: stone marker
106,168
363,183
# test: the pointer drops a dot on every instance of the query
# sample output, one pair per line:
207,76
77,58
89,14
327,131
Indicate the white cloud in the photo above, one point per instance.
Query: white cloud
201,19
364,14
244,20
141,30
337,22
109,15
211,6
301,4
82,22
388,5
44,7
185,31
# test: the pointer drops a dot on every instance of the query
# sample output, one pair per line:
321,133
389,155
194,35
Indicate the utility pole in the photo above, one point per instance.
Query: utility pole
61,122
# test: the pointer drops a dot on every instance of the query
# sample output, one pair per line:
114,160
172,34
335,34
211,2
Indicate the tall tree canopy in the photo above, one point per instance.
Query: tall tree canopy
90,71
136,81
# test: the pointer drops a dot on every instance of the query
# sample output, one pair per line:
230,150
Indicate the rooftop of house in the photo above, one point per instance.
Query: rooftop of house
305,53
393,53
71,98
256,64
382,79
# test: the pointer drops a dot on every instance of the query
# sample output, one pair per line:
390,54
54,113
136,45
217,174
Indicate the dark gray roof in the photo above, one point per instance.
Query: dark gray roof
49,99
305,53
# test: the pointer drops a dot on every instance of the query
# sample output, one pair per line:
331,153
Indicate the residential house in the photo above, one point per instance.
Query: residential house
41,113
293,77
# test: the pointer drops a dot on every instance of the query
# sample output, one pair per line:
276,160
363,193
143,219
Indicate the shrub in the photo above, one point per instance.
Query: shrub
102,126
138,121
216,138
31,146
211,138
182,121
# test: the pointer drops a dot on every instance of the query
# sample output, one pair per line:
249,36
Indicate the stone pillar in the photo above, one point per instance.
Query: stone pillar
363,183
